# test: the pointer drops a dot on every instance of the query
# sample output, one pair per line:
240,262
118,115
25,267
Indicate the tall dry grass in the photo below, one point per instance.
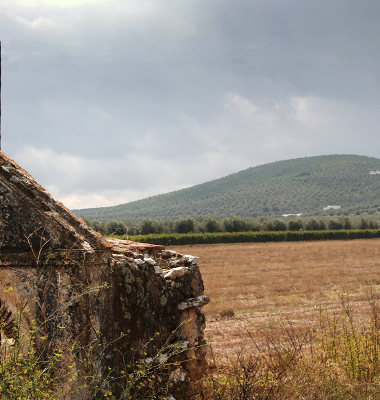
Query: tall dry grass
292,320
336,359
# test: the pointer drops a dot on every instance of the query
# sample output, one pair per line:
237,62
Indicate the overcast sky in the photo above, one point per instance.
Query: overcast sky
107,101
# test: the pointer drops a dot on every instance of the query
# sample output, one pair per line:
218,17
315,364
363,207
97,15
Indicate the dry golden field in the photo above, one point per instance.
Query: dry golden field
267,283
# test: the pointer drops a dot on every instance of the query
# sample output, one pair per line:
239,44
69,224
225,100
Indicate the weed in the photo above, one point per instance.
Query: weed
338,358
42,362
227,313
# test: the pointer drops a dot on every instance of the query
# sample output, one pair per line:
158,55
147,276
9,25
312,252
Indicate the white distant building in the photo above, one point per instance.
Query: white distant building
292,215
331,208
374,172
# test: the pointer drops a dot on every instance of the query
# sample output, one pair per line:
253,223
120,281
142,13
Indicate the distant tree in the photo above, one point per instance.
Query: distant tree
255,226
87,221
98,226
276,225
184,225
235,224
115,228
347,223
335,224
148,226
363,224
199,224
213,224
295,225
314,225
322,225
167,226
373,224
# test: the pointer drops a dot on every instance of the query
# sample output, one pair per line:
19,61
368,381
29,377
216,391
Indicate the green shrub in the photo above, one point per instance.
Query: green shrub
263,236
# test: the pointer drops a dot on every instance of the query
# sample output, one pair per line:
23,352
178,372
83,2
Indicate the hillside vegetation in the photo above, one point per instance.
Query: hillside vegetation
303,185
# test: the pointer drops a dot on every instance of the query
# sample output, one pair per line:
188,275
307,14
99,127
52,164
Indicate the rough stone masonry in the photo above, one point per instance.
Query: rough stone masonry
130,299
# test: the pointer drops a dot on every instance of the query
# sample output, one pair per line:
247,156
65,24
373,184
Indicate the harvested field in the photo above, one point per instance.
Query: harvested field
264,284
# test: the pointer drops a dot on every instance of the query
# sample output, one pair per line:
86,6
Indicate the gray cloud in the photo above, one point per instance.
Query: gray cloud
109,102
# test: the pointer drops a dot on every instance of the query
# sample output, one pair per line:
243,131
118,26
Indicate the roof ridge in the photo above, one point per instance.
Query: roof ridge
50,208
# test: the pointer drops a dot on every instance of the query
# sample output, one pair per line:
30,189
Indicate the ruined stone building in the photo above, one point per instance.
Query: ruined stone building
128,298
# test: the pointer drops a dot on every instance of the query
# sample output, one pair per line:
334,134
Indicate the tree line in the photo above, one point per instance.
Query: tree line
233,223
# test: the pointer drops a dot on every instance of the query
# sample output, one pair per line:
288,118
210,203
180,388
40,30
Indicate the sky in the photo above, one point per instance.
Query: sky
106,102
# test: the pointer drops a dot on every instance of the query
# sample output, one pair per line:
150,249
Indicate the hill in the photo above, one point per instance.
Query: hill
302,185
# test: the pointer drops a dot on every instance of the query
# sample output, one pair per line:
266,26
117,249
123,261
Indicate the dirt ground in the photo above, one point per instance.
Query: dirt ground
256,286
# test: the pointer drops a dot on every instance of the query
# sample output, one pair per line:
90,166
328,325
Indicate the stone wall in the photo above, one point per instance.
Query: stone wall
127,300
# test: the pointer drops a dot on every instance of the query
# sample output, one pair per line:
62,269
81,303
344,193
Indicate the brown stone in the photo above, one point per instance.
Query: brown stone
82,288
